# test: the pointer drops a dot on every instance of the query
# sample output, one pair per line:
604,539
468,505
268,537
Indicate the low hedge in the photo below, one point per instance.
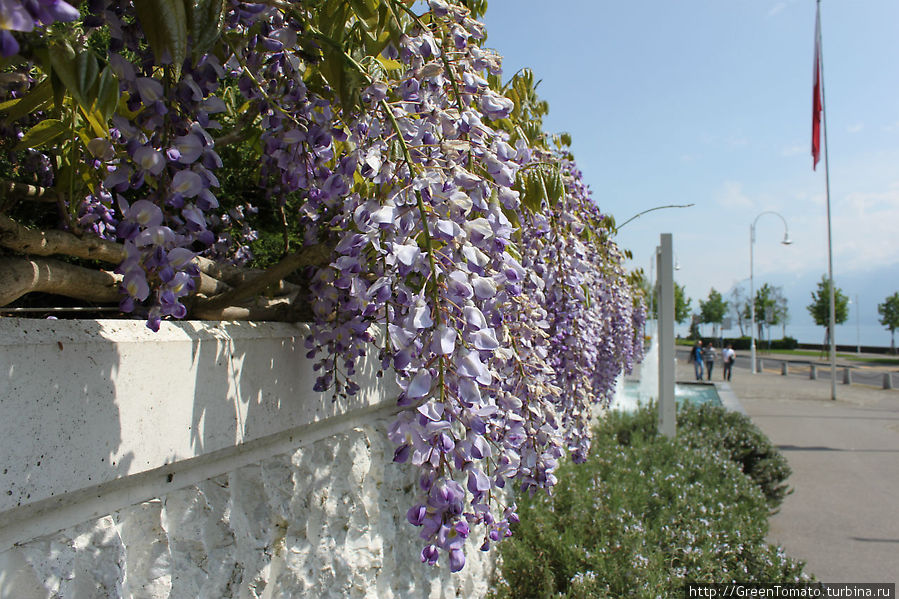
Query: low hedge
744,343
646,514
731,434
740,441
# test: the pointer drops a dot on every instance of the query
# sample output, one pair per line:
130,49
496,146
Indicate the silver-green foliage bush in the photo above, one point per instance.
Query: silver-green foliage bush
643,516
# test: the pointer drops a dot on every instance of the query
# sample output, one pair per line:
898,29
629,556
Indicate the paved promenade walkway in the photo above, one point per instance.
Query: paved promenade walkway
843,517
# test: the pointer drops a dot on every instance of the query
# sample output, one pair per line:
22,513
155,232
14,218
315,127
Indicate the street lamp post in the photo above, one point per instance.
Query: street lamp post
858,335
786,241
652,283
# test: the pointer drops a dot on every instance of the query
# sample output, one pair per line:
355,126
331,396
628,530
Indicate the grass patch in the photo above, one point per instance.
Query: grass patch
646,514
884,361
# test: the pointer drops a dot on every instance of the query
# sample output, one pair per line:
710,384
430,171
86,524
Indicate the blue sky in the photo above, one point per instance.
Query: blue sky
709,102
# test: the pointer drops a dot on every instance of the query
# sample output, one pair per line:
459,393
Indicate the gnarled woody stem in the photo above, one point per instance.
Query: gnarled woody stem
213,276
317,255
19,276
24,191
281,309
226,286
47,243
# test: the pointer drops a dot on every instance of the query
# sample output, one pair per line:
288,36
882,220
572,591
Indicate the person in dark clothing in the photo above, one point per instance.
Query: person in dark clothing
696,358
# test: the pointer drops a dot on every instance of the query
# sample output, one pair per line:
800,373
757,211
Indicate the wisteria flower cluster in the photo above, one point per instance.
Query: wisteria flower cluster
25,16
467,250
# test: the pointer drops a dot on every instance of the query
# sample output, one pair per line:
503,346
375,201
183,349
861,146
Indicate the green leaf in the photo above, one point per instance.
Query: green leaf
390,20
334,19
516,99
86,72
165,25
42,134
555,188
77,72
363,9
96,121
63,178
389,64
34,100
59,89
513,251
107,94
205,19
533,191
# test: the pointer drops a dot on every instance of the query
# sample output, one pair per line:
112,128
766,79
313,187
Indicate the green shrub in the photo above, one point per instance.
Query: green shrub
741,441
709,426
739,343
785,343
642,516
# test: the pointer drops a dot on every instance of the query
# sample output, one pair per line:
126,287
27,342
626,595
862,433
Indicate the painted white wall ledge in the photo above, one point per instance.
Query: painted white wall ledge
99,415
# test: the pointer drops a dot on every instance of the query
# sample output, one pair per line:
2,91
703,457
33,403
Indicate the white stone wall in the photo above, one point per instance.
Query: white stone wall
314,507
324,521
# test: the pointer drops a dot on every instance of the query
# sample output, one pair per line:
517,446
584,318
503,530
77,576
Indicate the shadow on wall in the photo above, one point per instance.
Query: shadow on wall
88,403
57,408
85,403
250,379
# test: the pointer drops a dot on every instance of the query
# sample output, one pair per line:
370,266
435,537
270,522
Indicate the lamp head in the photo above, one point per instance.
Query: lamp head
787,240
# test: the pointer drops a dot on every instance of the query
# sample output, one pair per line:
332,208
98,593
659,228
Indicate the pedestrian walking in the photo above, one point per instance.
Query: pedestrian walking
708,359
729,356
696,358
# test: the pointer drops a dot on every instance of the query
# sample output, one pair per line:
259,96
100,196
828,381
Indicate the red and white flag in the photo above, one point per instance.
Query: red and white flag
817,99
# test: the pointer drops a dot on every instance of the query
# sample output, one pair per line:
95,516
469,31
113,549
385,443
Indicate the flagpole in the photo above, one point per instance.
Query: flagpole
833,332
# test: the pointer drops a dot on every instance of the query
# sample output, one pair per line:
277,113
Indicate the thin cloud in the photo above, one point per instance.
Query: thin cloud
874,213
855,128
777,9
794,150
732,196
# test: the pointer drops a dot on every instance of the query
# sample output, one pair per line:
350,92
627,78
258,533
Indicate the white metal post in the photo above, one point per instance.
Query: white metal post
667,408
752,294
786,241
832,320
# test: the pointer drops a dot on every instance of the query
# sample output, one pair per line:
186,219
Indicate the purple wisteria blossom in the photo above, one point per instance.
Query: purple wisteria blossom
24,16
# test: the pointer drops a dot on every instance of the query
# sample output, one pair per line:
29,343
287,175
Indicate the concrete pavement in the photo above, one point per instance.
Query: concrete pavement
843,517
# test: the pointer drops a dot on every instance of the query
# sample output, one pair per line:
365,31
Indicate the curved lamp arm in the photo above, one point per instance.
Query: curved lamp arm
786,239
